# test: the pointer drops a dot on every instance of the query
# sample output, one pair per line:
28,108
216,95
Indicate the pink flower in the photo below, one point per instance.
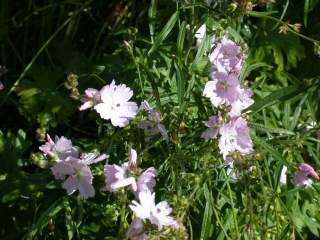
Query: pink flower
152,126
235,136
244,101
77,174
213,127
146,181
61,148
90,98
227,57
136,230
158,214
301,177
224,89
115,104
226,86
1,86
117,177
128,174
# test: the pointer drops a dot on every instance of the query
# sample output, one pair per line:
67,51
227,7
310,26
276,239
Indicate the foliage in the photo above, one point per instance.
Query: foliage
54,50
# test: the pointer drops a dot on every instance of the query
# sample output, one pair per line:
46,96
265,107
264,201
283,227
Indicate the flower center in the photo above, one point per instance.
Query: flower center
223,86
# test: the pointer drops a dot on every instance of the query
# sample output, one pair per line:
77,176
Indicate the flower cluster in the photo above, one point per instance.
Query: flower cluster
226,93
71,166
112,103
141,183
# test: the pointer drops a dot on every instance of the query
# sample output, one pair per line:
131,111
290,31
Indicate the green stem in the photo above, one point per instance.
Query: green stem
43,47
259,15
234,213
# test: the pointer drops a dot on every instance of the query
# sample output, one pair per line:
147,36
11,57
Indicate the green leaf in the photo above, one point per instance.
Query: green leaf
70,225
181,37
152,16
305,12
181,85
154,87
278,96
164,32
45,217
247,69
207,227
269,149
297,113
201,50
264,128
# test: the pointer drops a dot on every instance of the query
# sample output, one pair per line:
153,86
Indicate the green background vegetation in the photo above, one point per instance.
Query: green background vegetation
42,42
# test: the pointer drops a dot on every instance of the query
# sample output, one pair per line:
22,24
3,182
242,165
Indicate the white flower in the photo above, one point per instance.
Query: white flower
158,214
115,104
201,32
283,175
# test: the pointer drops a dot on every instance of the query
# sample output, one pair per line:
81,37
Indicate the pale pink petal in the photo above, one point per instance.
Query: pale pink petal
70,185
61,169
85,188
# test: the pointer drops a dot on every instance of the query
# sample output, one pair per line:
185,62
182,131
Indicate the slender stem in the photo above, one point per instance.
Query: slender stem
234,213
259,15
43,47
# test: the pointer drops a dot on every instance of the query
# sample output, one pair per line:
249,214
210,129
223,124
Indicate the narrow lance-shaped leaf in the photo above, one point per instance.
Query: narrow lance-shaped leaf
45,217
201,50
164,32
181,82
152,15
181,37
278,96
